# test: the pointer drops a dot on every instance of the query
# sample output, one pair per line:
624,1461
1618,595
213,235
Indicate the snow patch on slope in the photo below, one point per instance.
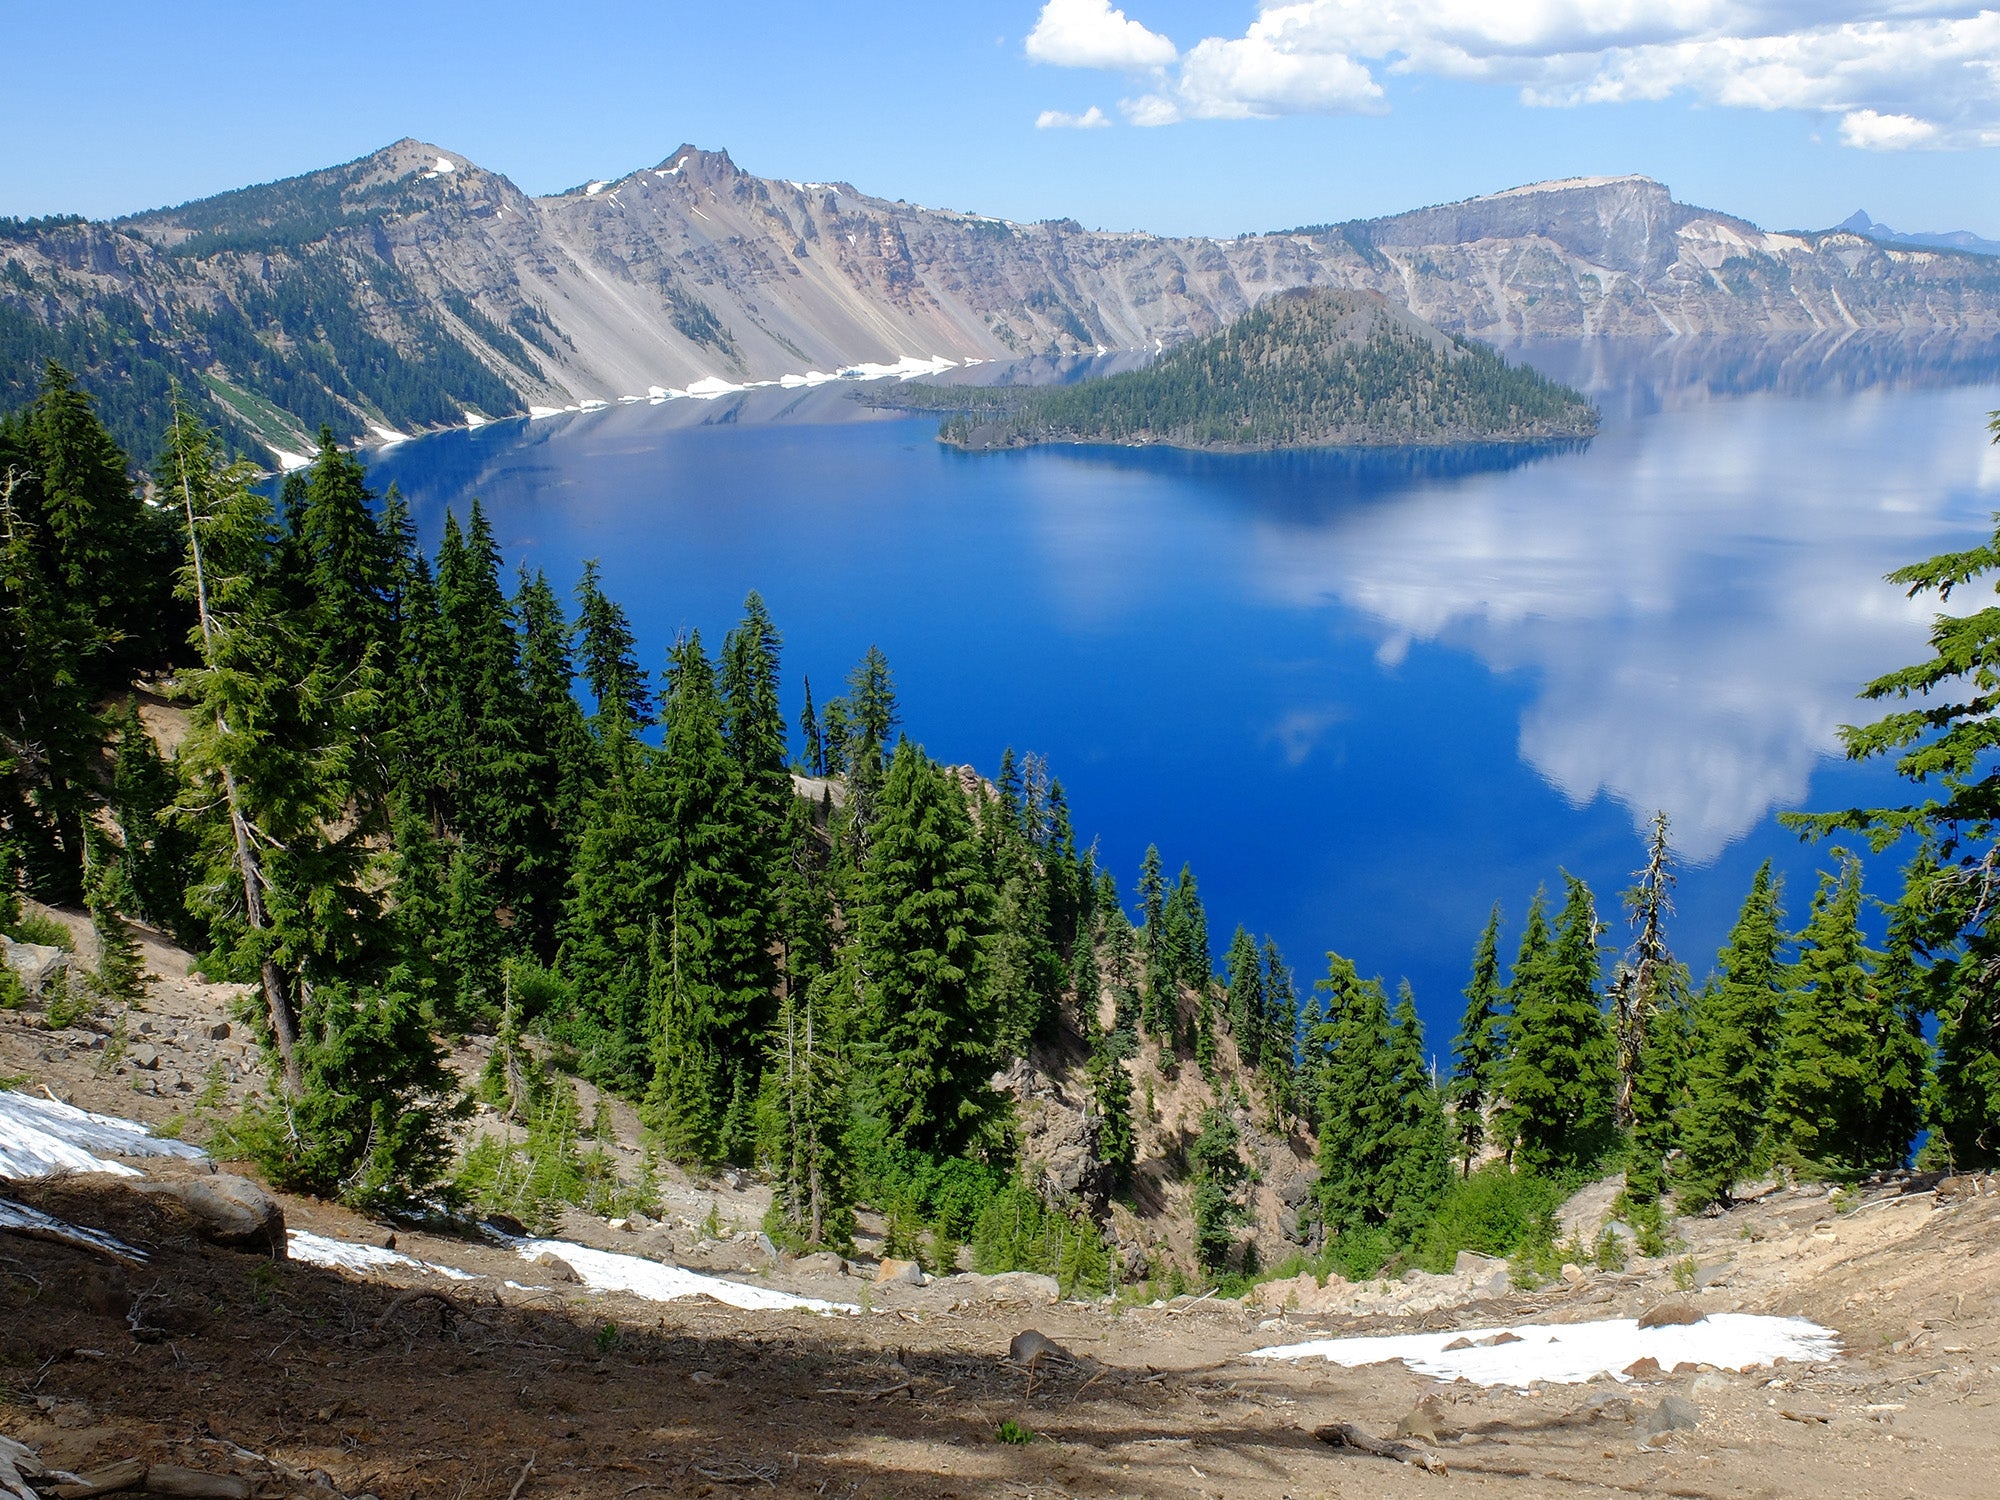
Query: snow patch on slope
1571,1353
362,1260
41,1137
605,1271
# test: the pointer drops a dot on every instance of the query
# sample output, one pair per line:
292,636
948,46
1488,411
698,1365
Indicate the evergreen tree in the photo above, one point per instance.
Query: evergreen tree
1722,1128
1185,932
871,709
1479,1048
158,855
812,746
611,668
923,913
345,559
1355,1101
1219,1171
753,719
1849,1078
1419,1168
561,760
1279,1049
1650,987
718,933
268,759
1946,740
1560,1077
1247,1019
1159,1011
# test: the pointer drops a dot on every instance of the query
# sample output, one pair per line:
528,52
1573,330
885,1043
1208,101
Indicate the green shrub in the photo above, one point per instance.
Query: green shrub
41,929
1019,1232
1494,1212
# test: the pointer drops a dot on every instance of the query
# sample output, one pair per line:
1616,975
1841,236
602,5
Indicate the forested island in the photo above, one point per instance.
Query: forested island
405,803
1312,368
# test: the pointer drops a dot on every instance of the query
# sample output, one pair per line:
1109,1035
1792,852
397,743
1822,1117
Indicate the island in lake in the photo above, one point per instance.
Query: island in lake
1305,369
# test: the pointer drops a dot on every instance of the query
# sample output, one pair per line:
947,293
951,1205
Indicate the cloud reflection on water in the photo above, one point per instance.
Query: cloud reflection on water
1696,597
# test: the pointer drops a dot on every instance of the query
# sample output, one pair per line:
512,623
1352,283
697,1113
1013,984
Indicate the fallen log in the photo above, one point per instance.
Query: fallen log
1347,1436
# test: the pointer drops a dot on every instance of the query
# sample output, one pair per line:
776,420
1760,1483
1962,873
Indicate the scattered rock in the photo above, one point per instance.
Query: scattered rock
506,1224
1673,1414
144,1055
900,1272
622,1225
1645,1369
1671,1315
821,1263
1503,1337
1458,1343
216,1031
1574,1275
638,1222
557,1269
1008,1286
734,1180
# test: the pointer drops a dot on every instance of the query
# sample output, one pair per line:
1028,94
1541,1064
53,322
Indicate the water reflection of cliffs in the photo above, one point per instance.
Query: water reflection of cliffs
1633,377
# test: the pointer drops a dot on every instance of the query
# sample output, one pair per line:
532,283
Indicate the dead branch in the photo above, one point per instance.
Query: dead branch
1347,1436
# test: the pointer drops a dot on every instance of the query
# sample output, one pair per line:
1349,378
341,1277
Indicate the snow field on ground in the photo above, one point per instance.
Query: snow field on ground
345,1255
605,1271
1571,1353
41,1137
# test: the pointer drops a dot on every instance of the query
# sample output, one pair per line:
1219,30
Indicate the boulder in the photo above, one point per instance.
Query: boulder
36,964
229,1210
145,1055
1671,1315
216,1031
506,1224
892,1272
557,1269
821,1263
1673,1414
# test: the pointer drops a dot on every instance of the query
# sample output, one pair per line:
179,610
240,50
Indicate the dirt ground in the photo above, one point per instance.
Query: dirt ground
311,1380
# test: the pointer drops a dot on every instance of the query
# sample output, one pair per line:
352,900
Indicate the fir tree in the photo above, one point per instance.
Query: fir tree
1560,1077
561,760
158,855
1355,1100
871,708
1247,1020
1419,1165
611,670
1479,1048
923,913
812,746
1219,1172
1279,1049
1722,1127
345,559
1845,1095
718,935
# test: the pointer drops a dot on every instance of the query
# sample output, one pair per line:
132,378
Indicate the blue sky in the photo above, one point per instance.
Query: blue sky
1219,115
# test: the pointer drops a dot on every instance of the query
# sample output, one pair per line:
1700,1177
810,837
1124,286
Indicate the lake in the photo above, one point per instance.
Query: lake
1365,695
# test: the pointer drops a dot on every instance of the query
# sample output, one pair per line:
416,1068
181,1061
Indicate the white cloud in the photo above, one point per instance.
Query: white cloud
1895,73
1056,119
1092,34
1878,132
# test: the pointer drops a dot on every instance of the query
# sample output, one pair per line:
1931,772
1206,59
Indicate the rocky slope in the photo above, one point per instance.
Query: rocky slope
410,288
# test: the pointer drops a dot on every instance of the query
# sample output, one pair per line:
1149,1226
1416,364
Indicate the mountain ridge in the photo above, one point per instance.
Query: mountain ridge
413,289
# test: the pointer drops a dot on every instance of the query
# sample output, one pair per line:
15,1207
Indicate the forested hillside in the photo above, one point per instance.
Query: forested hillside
418,798
1305,369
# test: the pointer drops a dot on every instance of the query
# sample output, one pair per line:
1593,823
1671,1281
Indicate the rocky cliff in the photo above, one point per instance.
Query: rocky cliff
411,288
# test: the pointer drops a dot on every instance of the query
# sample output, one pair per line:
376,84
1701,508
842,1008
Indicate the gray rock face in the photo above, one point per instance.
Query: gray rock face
695,269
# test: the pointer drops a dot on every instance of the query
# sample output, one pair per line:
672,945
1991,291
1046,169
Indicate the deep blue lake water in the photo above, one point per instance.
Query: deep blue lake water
1366,696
